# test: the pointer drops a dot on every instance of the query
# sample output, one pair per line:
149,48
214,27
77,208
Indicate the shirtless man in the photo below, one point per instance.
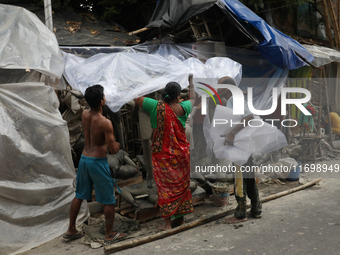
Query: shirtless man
93,169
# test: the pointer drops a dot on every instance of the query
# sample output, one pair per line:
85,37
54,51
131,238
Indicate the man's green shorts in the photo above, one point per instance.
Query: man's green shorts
95,172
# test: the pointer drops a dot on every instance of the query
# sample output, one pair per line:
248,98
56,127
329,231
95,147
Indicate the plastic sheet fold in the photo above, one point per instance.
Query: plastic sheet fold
26,43
127,75
256,71
36,170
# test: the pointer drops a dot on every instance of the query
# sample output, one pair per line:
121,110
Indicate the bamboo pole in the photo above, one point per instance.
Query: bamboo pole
320,96
289,191
48,14
138,31
338,13
334,23
327,108
327,23
203,220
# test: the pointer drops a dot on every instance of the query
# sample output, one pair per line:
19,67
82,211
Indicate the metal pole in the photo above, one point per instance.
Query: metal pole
48,14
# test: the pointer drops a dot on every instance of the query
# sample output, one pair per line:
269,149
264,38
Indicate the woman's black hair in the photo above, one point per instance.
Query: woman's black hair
171,91
93,95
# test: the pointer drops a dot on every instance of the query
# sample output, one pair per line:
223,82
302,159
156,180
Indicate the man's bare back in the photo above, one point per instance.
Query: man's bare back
98,135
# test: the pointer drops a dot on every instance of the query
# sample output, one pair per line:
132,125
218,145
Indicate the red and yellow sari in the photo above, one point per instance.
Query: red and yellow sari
171,164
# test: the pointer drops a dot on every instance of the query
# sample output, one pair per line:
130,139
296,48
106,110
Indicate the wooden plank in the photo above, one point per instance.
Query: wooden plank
206,27
144,215
127,210
123,207
193,26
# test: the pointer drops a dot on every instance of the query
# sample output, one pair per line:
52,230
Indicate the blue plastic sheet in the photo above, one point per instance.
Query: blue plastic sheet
277,47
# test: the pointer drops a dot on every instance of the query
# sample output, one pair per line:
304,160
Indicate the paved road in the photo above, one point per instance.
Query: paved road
304,222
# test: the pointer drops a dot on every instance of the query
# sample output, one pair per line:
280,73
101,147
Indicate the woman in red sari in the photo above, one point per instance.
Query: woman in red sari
170,152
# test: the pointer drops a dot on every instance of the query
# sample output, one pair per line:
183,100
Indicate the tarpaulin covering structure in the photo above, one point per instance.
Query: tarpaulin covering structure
277,47
127,75
173,13
323,55
26,43
331,57
127,72
280,49
36,170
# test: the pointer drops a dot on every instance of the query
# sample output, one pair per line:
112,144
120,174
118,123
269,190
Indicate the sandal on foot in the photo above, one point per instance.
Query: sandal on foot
163,227
68,237
118,237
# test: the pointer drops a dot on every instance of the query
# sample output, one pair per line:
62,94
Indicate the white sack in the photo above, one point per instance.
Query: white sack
248,141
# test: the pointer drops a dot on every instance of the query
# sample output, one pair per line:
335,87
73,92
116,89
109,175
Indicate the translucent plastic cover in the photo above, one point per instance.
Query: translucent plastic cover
323,55
259,138
26,43
127,72
127,75
36,170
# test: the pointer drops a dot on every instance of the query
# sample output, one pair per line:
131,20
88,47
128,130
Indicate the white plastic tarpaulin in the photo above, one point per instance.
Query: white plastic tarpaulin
26,43
322,55
257,71
127,75
36,170
254,139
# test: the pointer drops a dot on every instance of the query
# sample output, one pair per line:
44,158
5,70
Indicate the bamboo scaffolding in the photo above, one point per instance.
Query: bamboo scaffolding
334,23
203,220
327,23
